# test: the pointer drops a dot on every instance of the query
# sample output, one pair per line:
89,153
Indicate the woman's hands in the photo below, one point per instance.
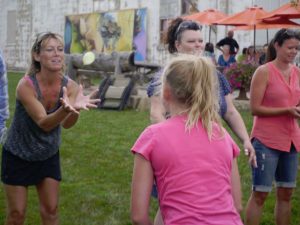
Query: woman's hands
85,101
250,152
295,111
81,101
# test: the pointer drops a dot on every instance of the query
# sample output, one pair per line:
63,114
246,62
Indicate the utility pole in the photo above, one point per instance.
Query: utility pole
227,7
227,11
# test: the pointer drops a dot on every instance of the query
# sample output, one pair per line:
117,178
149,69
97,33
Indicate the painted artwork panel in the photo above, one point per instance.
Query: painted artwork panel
123,30
116,31
140,35
81,33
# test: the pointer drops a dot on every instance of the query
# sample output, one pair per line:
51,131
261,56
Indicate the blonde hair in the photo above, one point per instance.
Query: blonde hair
193,83
40,41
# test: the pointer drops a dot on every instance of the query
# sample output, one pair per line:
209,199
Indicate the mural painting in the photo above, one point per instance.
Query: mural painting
107,32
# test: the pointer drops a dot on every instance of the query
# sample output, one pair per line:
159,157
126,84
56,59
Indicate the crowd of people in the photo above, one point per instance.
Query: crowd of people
185,159
253,55
229,49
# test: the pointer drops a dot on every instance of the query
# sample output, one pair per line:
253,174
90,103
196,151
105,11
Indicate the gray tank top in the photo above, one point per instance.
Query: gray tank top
26,139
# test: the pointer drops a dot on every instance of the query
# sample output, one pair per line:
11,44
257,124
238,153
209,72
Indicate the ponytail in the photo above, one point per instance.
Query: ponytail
271,52
170,37
194,84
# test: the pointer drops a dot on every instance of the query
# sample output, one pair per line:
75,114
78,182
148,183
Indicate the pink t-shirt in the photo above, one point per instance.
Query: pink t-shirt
278,132
191,172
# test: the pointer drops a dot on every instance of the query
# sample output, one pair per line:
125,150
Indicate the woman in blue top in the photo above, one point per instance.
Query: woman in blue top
185,37
225,59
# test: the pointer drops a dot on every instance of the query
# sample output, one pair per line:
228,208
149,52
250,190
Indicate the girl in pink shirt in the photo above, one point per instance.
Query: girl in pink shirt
190,155
274,101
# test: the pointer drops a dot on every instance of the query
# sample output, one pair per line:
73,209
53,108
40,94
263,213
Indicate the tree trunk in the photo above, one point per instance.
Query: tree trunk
116,62
242,94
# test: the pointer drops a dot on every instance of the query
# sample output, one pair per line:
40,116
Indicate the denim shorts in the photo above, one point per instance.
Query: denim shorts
154,192
273,164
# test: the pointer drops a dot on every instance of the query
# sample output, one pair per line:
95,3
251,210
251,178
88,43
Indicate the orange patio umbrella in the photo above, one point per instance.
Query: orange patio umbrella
289,10
207,17
272,23
249,17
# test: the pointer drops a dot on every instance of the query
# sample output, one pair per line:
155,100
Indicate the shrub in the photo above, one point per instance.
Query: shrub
240,74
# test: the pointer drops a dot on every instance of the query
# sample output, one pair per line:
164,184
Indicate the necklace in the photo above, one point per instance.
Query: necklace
284,72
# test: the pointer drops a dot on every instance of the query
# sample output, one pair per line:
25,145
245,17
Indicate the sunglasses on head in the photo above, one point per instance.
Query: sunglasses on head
286,34
187,25
42,36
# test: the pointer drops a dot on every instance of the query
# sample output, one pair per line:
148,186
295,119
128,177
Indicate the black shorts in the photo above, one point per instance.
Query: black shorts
16,171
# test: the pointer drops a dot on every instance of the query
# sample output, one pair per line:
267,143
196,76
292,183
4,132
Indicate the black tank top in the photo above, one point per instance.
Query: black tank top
26,139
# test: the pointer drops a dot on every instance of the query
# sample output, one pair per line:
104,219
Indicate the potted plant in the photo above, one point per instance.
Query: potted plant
239,76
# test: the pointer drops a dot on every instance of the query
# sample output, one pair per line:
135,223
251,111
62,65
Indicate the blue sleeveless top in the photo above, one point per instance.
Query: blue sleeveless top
26,139
155,86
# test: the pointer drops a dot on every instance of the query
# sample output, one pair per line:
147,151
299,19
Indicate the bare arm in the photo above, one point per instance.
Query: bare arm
142,181
219,48
27,96
237,47
76,102
237,50
70,95
236,123
67,114
257,90
157,110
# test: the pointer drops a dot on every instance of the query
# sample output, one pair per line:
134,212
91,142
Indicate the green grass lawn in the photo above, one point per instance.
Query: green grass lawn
97,166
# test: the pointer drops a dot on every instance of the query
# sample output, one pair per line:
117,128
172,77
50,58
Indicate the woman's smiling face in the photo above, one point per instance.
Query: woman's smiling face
51,56
288,50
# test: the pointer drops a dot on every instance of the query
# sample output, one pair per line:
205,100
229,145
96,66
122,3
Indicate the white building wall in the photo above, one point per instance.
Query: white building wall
35,16
5,6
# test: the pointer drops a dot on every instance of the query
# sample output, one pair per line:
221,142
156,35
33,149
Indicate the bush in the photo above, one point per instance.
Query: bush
240,74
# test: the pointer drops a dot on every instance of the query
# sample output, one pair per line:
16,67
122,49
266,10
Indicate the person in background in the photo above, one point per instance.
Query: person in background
263,57
185,37
210,52
193,172
274,102
46,100
4,108
251,54
229,40
226,59
243,56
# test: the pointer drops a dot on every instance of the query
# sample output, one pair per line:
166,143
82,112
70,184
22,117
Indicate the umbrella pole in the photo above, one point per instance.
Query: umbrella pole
209,33
267,36
254,35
